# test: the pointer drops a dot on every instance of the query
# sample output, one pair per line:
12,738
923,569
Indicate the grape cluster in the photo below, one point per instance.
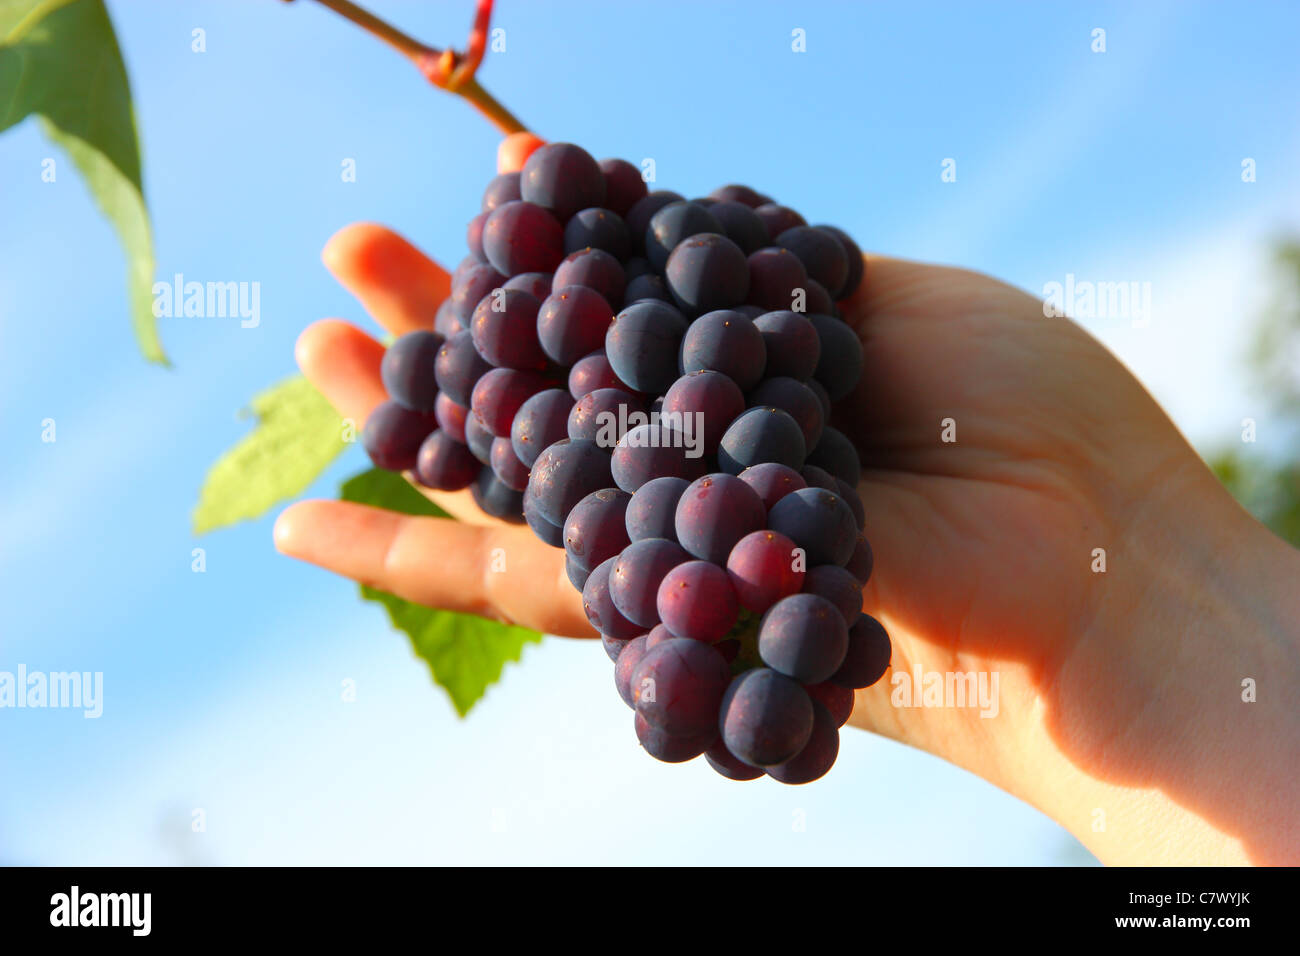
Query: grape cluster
648,382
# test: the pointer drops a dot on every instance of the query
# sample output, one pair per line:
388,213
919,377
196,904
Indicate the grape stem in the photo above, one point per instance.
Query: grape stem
446,69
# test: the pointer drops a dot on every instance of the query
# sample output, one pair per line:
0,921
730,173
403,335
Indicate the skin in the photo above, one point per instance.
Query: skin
1120,693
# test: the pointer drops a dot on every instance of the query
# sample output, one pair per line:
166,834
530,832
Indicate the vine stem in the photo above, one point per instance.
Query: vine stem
443,68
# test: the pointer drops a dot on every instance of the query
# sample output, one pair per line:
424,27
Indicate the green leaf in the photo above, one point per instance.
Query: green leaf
59,59
298,433
465,653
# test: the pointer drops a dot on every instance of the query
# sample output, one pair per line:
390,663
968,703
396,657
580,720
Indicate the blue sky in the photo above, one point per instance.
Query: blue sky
222,689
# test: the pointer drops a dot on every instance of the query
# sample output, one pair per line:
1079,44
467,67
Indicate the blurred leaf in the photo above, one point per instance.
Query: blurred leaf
465,653
59,59
1275,353
298,433
1271,494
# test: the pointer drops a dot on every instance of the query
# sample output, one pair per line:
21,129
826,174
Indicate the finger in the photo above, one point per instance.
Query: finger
515,150
397,284
497,572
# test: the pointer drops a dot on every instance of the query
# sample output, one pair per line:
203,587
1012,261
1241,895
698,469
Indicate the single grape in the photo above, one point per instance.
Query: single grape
791,344
863,560
551,534
853,500
646,287
624,186
597,228
764,567
775,274
778,218
563,178
653,509
572,323
536,284
868,655
715,512
835,453
837,700
728,764
817,300
728,342
734,192
712,400
595,531
707,272
819,478
696,600
445,321
510,471
594,269
655,451
601,612
821,254
857,265
792,396
502,189
643,210
522,237
678,686
392,435
540,422
838,586
578,575
468,289
766,718
496,499
803,636
592,372
632,654
504,329
613,646
604,415
741,225
772,481
642,343
658,634
672,224
407,370
564,474
840,364
445,464
818,754
668,747
822,396
474,236
819,522
451,417
500,393
636,575
763,434
478,439
458,368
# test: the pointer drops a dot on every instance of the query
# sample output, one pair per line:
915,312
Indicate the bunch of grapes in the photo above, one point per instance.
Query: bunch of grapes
648,382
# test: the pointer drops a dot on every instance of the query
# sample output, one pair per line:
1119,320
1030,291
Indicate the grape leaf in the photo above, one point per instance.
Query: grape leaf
465,653
59,59
298,433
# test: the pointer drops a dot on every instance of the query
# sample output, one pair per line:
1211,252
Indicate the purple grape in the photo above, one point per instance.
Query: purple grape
474,236
503,189
734,192
445,321
604,616
728,342
522,237
803,636
836,454
592,372
774,275
624,186
838,586
668,747
857,265
728,764
625,665
451,417
597,228
510,471
840,364
652,512
578,576
593,269
772,481
636,575
540,422
407,370
819,478
478,439
658,634
392,435
445,464
613,645
863,560
763,570
655,451
822,396
496,499
500,393
468,289
595,531
766,717
741,225
792,396
707,272
819,522
536,284
821,254
791,344
853,500
642,343
673,224
551,534
696,600
572,323
504,329
643,210
646,287
678,686
714,401
563,178
564,474
458,368
778,218
837,700
818,754
817,300
761,435
604,415
715,512
868,655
